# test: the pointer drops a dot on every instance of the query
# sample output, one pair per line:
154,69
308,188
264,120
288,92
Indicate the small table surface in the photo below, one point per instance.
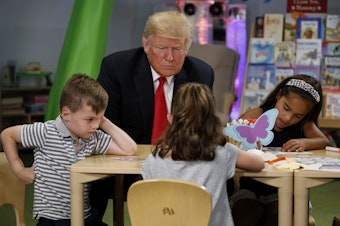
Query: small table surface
100,166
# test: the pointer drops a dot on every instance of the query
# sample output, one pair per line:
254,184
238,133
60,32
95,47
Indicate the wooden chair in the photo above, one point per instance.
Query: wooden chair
12,191
168,202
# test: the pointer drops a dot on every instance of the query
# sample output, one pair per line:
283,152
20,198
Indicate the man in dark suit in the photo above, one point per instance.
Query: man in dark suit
131,77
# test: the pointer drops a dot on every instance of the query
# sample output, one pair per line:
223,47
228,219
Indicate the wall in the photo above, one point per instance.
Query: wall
34,30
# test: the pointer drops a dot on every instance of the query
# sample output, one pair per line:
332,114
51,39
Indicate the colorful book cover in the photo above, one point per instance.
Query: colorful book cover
331,73
290,26
333,49
309,28
308,52
261,77
283,73
253,99
284,53
311,70
262,51
332,28
273,26
331,104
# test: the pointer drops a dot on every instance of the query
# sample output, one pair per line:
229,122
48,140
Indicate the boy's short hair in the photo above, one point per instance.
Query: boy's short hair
82,90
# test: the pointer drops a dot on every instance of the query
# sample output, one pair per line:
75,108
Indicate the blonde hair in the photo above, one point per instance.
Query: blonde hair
169,24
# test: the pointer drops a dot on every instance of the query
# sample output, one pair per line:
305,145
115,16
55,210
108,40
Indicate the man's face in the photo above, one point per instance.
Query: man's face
165,55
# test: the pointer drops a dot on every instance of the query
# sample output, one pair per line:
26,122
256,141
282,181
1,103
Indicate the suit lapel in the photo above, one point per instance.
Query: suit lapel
144,87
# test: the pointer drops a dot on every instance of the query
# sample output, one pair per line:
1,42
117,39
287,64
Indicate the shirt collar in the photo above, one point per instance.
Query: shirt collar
155,76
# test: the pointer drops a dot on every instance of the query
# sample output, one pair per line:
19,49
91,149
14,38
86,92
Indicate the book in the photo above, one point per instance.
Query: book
333,49
308,52
11,106
283,73
331,104
12,100
330,76
261,77
259,27
262,51
309,28
253,99
17,111
273,24
34,108
332,28
36,98
284,54
311,70
290,25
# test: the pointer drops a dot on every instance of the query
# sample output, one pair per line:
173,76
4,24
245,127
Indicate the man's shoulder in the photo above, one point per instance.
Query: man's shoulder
126,53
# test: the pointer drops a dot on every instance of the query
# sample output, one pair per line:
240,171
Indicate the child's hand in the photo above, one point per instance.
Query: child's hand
26,175
293,145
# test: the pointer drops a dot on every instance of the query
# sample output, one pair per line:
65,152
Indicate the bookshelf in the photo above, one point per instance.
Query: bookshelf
20,114
323,123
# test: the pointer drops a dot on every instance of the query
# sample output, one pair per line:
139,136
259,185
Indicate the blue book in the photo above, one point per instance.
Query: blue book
262,51
309,28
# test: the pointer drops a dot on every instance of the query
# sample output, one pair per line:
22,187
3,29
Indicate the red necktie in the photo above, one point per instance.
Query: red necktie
160,121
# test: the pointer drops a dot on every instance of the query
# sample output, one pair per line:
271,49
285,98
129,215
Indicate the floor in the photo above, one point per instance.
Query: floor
325,200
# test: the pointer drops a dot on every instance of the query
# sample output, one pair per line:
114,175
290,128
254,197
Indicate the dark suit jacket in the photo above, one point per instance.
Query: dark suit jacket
127,78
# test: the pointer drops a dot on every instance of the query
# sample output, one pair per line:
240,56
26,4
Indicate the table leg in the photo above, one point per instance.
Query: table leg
118,200
301,197
285,194
77,200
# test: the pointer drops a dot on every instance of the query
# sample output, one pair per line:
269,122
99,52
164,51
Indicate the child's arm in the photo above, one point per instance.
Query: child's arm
252,113
249,161
315,139
122,143
9,138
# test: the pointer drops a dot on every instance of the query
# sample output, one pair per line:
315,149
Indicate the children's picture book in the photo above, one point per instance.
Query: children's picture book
311,70
332,28
262,51
252,99
261,76
284,54
331,77
331,109
273,24
283,73
331,72
333,49
308,52
290,26
309,28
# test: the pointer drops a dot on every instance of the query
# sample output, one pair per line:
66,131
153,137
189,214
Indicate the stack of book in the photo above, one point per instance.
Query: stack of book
35,103
12,105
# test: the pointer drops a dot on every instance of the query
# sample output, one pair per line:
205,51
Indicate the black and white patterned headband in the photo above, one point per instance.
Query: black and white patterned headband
305,86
